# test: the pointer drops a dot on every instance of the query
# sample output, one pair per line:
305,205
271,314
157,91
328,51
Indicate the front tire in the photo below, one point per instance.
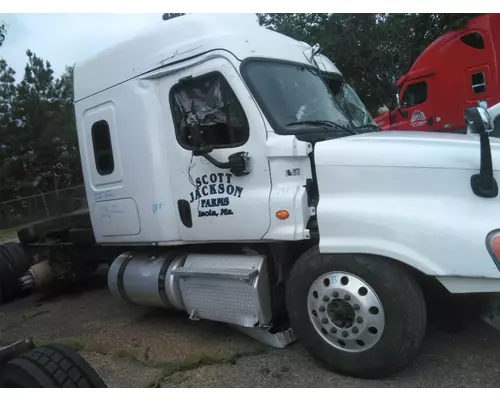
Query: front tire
360,315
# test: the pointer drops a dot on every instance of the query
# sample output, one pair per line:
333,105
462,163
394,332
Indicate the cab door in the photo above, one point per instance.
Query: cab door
416,107
213,203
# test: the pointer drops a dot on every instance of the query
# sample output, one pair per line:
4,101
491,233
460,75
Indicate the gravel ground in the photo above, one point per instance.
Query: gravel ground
136,347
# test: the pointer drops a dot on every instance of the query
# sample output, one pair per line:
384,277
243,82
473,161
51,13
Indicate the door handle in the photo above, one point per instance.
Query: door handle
430,121
185,213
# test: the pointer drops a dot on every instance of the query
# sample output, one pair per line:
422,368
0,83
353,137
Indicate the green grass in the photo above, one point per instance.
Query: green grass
167,369
94,347
8,232
75,344
127,355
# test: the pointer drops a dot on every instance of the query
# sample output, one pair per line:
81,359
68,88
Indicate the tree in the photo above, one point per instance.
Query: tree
41,145
3,32
38,141
8,126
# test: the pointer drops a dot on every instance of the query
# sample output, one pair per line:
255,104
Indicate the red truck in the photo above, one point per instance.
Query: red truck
452,73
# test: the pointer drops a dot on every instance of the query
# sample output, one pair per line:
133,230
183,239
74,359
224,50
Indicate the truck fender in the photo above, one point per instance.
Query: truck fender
416,232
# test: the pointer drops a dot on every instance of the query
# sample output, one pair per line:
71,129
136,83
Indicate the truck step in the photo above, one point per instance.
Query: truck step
278,339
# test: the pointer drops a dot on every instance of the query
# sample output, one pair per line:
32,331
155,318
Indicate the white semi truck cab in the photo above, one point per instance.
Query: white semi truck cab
233,174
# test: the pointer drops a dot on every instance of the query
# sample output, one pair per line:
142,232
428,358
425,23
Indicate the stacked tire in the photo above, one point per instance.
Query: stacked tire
14,262
51,366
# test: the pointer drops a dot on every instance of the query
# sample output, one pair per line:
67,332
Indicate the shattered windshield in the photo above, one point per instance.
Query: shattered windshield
353,106
293,95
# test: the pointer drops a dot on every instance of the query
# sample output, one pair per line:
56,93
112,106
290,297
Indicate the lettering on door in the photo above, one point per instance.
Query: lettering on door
214,193
417,119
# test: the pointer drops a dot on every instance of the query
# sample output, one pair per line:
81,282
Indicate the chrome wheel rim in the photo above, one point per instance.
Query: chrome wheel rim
345,311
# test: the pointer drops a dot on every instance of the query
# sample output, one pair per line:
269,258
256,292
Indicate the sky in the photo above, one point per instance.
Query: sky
64,39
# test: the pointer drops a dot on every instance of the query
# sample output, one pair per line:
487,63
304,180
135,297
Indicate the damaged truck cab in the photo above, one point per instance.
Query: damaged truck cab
233,174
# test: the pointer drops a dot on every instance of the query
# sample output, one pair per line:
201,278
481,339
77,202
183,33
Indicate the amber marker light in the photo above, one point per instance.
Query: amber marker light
282,214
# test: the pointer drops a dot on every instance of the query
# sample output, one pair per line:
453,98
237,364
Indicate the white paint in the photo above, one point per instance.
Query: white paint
456,284
494,111
185,169
178,39
156,174
100,112
116,217
287,153
404,195
406,149
407,197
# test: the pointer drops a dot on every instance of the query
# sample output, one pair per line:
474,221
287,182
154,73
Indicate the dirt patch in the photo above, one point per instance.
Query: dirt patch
121,374
132,346
114,336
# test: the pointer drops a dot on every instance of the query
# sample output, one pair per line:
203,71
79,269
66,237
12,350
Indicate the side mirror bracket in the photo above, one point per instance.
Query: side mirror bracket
403,113
238,163
478,120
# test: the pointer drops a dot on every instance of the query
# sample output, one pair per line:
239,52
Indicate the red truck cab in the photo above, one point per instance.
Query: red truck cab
452,73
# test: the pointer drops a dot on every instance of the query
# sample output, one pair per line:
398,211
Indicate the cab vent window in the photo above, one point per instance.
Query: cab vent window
474,40
208,101
103,151
415,94
478,83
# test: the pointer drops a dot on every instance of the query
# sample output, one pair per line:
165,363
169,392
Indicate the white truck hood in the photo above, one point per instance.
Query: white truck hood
406,149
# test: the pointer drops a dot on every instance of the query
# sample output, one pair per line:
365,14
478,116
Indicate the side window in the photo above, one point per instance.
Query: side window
415,94
208,101
474,40
103,151
478,83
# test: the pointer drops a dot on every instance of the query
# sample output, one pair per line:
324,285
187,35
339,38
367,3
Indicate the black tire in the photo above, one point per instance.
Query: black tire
399,294
27,235
19,260
8,281
52,366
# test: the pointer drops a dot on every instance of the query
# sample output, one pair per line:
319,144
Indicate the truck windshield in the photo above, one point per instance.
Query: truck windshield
353,106
293,95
